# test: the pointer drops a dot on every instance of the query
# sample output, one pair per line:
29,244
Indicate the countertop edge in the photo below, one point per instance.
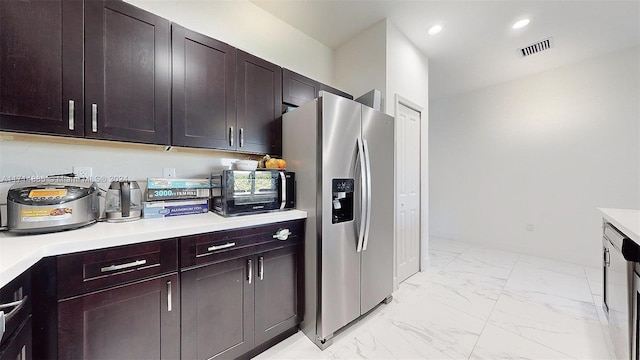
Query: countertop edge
19,252
625,220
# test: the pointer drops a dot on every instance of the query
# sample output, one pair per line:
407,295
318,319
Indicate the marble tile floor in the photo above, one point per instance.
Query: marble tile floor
476,303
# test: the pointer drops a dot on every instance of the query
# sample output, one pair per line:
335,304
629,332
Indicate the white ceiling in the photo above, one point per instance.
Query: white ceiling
477,46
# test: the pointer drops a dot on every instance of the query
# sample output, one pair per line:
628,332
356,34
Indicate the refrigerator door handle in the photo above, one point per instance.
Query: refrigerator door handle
367,161
363,194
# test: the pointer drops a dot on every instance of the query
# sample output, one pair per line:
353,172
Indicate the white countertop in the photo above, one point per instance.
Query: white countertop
19,252
627,221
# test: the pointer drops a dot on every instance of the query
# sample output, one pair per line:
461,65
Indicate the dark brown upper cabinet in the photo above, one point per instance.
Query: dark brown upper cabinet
223,98
298,89
203,92
259,105
41,67
127,73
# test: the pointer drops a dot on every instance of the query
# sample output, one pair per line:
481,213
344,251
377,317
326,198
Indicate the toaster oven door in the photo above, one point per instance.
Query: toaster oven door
251,192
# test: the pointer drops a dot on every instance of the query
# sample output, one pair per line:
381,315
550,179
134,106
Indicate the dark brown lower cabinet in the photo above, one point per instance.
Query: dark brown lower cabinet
140,320
16,304
232,308
20,345
278,306
217,310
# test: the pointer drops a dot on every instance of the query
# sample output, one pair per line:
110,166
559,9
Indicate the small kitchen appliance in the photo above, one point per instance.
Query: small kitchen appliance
51,206
124,201
237,192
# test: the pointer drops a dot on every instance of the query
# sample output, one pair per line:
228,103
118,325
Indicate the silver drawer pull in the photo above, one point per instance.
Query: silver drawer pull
72,109
230,135
220,247
282,234
169,305
94,117
123,266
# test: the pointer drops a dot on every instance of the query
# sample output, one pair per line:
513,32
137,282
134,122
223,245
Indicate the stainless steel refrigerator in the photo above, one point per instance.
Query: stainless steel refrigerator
342,154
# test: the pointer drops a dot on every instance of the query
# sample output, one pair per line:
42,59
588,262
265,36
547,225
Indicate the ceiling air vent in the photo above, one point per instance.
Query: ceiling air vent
545,44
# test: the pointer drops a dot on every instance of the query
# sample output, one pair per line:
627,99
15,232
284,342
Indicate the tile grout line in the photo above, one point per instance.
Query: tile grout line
519,335
494,306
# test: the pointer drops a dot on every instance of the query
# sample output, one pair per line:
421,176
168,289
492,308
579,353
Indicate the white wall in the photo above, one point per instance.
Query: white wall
248,27
407,71
407,75
546,150
360,63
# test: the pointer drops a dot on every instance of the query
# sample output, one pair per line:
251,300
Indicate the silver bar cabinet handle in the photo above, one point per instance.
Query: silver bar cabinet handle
72,109
94,117
607,258
250,271
169,296
219,247
123,266
241,130
261,267
230,135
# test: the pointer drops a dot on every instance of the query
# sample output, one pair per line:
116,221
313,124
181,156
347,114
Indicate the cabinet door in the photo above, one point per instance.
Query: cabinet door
136,321
41,67
298,89
217,310
203,92
127,73
19,346
278,285
333,90
259,118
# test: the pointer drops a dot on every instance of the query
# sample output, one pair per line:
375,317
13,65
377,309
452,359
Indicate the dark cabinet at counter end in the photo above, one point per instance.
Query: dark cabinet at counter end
298,89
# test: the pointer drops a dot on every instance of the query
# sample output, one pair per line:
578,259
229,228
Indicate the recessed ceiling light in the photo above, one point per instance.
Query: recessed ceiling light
520,24
435,29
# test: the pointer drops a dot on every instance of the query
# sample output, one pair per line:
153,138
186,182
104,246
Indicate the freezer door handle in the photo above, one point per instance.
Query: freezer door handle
363,194
367,162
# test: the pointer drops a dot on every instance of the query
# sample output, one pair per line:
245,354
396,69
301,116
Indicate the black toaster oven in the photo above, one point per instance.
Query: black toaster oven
239,192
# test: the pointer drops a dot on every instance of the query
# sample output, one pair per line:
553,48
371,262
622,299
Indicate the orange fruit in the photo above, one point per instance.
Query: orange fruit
271,163
282,164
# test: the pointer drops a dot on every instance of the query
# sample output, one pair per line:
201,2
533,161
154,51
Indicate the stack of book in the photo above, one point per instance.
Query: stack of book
175,197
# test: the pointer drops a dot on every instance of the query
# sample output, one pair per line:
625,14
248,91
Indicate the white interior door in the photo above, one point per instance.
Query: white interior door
408,191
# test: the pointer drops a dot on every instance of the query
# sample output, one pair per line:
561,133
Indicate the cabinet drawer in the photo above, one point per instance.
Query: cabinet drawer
94,270
228,244
15,302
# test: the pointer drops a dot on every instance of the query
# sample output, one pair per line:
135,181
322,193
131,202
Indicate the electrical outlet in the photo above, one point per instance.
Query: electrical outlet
83,172
168,172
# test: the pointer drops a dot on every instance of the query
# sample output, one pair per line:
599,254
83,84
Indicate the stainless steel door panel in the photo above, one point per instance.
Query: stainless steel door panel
300,148
618,286
340,263
377,259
